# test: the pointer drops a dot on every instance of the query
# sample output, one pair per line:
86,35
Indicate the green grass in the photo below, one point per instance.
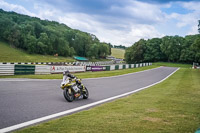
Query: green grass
169,107
100,59
118,53
9,54
173,64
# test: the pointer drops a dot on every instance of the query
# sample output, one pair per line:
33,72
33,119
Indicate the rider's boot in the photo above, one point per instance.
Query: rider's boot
82,87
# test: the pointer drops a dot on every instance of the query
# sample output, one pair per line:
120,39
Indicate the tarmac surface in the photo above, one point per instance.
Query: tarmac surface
23,100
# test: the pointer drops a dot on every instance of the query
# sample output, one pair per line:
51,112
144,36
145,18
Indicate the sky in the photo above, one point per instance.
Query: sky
119,22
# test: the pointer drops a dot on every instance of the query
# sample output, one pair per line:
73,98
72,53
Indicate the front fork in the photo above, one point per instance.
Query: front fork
70,91
83,87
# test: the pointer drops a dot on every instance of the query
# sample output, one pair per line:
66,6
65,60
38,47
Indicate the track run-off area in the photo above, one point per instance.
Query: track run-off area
24,102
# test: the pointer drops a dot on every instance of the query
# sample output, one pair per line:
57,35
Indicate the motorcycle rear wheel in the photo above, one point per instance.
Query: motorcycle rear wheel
68,97
85,94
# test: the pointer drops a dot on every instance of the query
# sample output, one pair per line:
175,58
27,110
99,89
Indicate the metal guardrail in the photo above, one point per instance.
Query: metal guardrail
24,69
42,69
7,69
11,69
59,63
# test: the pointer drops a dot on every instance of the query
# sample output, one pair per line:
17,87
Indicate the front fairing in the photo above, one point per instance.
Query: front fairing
64,82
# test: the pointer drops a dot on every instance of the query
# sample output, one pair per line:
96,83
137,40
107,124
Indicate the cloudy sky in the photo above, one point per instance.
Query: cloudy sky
116,21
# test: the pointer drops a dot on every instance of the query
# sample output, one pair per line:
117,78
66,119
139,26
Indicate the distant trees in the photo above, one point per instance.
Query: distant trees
49,37
168,48
135,53
120,46
196,49
199,26
153,50
171,47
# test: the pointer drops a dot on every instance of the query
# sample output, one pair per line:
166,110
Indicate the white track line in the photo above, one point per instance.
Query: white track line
18,126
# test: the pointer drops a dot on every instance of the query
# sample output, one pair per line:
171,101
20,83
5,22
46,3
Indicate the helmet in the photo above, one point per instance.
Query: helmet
65,72
78,81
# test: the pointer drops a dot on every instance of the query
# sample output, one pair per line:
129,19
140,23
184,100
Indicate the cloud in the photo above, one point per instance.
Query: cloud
17,8
114,21
125,28
189,19
165,1
140,12
127,38
46,11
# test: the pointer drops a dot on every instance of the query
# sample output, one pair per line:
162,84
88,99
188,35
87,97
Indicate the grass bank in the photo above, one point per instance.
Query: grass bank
118,53
171,106
9,54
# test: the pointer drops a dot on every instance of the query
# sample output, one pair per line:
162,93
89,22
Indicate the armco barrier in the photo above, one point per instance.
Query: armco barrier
24,69
7,69
116,67
42,69
112,67
120,66
60,63
107,68
60,69
124,66
11,69
97,68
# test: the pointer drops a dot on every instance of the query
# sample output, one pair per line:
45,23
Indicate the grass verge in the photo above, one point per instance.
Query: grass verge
171,106
169,64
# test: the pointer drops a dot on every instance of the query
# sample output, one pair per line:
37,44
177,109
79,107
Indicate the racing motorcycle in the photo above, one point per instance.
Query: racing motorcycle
73,89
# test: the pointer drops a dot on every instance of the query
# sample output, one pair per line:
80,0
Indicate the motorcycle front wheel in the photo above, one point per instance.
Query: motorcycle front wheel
68,96
85,94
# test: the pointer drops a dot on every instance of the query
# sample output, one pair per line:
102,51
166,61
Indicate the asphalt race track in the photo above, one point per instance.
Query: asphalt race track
22,100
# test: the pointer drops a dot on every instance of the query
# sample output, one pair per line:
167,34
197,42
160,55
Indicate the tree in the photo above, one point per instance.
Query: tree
171,47
72,51
135,53
93,51
31,42
46,37
187,53
62,47
41,47
38,28
129,55
153,51
14,35
196,48
43,43
103,50
199,26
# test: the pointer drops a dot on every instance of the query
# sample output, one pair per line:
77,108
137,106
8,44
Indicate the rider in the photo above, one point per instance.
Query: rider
68,74
78,82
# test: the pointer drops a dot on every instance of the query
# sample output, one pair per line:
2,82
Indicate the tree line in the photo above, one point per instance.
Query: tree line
49,37
168,49
119,46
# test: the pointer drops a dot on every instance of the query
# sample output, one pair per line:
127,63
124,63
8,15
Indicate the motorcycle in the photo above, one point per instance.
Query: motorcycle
73,89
